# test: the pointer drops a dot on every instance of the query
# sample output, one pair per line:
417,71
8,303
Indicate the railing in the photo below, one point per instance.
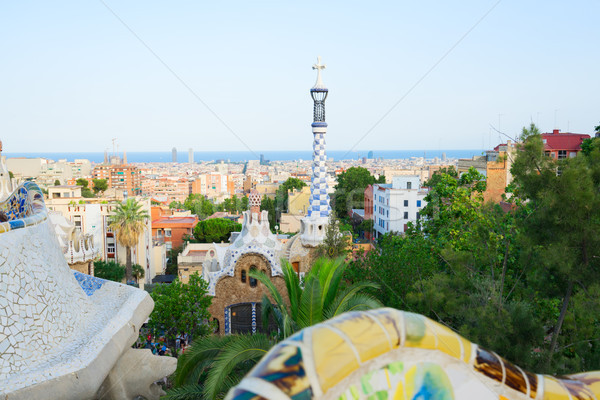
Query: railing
190,260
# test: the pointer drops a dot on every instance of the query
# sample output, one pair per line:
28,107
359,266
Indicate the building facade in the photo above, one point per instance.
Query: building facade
397,204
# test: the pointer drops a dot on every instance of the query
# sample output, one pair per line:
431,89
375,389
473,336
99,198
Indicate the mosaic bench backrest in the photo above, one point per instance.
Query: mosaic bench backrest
390,354
25,207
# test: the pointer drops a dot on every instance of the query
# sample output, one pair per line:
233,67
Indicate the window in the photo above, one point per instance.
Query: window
405,214
243,276
418,215
167,232
388,213
110,247
253,281
419,203
562,154
405,203
409,185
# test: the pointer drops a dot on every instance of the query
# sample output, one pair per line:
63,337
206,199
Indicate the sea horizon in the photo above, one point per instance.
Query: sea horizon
241,156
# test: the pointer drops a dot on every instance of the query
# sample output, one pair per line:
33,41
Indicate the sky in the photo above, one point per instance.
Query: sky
236,75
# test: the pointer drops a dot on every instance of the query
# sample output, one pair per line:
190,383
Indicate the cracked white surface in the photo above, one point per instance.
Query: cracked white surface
49,327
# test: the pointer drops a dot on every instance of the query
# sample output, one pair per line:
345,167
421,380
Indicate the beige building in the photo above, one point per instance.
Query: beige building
90,217
195,257
298,203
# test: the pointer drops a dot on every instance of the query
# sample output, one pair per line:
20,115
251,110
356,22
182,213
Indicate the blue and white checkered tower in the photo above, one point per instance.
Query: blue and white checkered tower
313,225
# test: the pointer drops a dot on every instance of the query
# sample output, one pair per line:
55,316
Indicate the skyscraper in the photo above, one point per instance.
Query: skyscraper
174,154
312,230
191,155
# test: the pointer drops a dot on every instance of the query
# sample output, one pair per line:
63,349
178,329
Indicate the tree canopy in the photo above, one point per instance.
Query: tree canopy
100,185
181,308
523,282
215,230
350,189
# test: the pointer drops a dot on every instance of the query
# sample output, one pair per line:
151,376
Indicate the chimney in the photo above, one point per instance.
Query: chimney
556,131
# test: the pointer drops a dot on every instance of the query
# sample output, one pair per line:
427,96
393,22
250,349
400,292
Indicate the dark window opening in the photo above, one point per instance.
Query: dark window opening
243,276
253,281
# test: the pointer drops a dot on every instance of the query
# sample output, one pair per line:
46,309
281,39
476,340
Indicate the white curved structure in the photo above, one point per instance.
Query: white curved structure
63,332
76,247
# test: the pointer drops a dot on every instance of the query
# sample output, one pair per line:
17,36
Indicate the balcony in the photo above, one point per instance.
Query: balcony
190,260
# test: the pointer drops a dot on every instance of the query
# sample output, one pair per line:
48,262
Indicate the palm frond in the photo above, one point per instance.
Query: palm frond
292,284
264,279
340,303
240,354
187,392
198,359
311,306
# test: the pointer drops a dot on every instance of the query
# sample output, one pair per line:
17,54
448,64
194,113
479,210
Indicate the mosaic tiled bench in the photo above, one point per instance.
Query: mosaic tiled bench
63,333
390,354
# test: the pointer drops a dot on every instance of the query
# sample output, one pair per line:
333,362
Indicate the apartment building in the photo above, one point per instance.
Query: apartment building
396,204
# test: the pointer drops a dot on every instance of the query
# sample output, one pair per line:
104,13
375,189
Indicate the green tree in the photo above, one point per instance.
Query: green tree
215,364
137,271
282,192
180,308
85,191
56,182
215,230
336,241
175,205
350,189
100,185
269,205
128,221
172,268
11,175
320,296
561,230
109,270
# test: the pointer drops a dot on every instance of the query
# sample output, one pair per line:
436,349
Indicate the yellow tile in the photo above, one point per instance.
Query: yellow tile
448,341
590,379
365,334
418,334
334,358
400,394
4,227
390,320
553,390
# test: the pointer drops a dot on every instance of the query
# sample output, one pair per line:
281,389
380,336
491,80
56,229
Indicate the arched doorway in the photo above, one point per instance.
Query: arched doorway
247,318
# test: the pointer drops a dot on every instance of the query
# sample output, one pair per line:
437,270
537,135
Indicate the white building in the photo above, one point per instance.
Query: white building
396,204
90,217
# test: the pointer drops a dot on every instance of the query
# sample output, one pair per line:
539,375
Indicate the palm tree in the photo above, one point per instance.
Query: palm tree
320,296
128,223
214,364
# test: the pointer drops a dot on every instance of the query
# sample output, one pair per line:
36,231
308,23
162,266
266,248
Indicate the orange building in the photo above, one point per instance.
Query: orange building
213,185
172,229
123,177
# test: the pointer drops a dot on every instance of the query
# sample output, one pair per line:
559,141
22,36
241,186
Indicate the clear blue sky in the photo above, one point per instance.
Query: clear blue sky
73,77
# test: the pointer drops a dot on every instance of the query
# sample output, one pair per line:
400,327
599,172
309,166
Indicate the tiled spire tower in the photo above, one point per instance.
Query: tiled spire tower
313,225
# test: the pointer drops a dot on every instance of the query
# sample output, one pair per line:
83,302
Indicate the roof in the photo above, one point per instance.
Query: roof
563,141
171,220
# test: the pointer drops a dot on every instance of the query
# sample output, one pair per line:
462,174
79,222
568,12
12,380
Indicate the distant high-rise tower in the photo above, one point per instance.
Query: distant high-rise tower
191,155
174,154
312,230
105,156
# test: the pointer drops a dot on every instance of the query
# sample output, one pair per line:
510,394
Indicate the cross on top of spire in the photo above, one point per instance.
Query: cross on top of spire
318,66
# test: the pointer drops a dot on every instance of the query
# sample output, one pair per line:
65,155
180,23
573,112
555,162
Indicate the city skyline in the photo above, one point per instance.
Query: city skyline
418,76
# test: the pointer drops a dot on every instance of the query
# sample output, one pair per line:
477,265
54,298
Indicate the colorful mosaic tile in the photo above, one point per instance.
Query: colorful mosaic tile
25,207
390,354
88,283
